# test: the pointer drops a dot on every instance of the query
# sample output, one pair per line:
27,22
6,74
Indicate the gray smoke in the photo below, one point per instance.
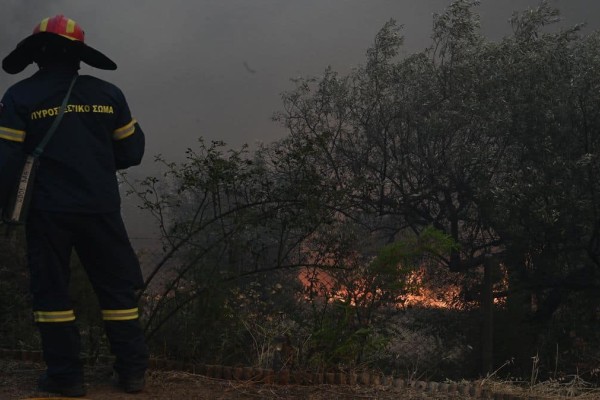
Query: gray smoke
216,68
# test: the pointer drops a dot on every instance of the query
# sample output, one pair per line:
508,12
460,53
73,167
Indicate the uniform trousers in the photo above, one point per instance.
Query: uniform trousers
103,247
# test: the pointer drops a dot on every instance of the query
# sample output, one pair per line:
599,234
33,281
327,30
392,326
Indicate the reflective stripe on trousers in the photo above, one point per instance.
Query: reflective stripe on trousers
54,316
120,315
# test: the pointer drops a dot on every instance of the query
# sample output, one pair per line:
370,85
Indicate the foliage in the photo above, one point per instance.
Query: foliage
432,344
487,148
16,328
226,217
494,144
352,300
233,225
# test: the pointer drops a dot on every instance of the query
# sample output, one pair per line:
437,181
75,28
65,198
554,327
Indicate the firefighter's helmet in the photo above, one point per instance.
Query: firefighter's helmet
58,28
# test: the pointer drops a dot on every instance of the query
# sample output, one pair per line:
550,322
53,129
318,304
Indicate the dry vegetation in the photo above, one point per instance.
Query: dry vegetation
17,381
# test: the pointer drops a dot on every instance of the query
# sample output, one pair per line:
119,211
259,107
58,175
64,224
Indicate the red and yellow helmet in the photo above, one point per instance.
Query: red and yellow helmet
48,29
61,25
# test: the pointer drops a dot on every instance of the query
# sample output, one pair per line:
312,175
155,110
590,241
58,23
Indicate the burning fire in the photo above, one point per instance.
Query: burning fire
429,296
324,285
427,291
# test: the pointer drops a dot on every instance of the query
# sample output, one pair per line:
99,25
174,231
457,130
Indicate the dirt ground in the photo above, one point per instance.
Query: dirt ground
18,381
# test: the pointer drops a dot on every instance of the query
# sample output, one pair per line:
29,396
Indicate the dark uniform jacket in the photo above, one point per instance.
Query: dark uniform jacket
97,136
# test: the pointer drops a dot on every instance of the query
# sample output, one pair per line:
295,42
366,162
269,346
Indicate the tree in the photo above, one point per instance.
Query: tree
15,309
495,144
492,145
234,225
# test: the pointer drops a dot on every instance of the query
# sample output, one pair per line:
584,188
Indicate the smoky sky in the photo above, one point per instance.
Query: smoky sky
216,68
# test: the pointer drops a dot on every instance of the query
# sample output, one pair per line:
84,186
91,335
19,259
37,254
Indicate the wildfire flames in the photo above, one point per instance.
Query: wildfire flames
429,296
324,285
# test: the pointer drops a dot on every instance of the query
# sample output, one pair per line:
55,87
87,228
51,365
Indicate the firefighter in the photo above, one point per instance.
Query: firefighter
75,202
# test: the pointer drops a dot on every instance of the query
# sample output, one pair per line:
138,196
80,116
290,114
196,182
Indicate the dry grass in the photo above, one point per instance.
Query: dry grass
573,389
17,381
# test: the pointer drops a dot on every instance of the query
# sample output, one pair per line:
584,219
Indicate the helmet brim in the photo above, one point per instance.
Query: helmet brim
25,52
